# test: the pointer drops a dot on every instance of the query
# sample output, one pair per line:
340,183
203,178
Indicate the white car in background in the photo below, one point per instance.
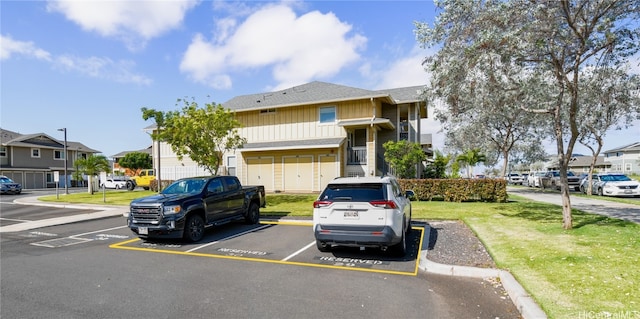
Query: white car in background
113,183
533,180
614,185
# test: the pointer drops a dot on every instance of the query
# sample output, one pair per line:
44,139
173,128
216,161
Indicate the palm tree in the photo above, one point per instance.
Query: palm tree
471,158
92,166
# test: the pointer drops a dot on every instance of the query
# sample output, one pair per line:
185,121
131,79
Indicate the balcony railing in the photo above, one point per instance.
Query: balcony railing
357,155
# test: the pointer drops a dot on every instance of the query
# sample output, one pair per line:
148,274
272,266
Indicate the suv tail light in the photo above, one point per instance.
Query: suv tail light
388,204
321,203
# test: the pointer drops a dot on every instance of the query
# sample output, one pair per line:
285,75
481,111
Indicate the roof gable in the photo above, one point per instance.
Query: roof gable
318,92
630,147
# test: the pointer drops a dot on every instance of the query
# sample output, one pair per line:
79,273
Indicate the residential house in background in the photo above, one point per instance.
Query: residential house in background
624,159
300,138
32,159
117,170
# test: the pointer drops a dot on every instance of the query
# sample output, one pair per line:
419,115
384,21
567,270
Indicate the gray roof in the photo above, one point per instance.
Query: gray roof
147,150
299,144
10,138
319,92
585,161
630,147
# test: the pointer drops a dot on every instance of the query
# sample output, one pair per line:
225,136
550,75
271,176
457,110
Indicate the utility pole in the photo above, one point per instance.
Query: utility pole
66,180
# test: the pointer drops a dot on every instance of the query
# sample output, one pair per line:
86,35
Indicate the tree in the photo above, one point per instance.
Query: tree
159,118
202,134
403,157
135,161
552,42
471,158
92,166
437,168
611,101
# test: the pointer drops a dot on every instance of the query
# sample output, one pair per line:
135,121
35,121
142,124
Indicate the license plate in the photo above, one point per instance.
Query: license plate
351,214
143,230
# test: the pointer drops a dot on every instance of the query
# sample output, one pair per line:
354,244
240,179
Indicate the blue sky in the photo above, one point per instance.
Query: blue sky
91,66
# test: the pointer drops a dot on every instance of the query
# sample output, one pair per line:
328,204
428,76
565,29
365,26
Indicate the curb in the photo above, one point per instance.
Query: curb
525,304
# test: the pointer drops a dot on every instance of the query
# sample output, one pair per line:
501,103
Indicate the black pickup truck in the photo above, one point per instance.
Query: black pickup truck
187,206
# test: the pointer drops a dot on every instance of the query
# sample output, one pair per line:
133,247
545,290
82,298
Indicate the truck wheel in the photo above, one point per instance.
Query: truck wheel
253,215
194,228
322,246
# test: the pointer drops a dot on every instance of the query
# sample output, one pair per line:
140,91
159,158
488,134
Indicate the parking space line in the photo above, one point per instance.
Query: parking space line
299,251
122,245
96,231
227,238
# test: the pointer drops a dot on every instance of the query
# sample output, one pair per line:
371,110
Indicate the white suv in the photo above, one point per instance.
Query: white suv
363,212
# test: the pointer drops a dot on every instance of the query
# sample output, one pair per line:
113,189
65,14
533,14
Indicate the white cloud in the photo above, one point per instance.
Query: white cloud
296,48
405,71
9,46
133,22
101,68
95,67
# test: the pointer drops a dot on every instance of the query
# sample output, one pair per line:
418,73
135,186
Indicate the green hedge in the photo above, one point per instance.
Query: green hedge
457,190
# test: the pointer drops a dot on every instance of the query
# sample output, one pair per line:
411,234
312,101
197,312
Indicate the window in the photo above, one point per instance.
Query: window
231,165
3,151
328,114
35,152
627,167
59,155
268,111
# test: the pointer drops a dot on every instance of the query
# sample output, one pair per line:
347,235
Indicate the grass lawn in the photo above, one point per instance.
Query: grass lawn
591,270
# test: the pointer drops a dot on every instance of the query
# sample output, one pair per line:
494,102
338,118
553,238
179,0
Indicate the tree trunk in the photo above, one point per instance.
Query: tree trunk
567,217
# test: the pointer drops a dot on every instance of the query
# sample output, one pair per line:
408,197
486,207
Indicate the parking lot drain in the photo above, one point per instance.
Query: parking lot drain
61,242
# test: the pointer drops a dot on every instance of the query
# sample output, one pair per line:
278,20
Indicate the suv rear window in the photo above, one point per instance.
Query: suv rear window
354,192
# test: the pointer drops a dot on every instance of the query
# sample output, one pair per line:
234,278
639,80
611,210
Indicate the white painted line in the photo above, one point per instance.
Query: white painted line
227,238
299,251
97,231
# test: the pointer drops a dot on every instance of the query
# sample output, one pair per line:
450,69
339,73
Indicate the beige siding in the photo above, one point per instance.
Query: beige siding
300,122
293,171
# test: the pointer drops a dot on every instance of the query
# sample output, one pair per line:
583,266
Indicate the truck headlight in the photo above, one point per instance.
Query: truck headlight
170,210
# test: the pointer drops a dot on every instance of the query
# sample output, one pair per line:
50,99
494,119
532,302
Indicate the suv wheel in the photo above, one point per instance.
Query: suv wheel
322,246
194,228
400,249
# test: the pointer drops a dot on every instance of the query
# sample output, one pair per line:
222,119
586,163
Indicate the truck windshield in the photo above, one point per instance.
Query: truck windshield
192,186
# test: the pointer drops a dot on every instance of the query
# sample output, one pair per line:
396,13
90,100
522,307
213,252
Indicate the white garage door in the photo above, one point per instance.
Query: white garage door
297,173
329,170
260,172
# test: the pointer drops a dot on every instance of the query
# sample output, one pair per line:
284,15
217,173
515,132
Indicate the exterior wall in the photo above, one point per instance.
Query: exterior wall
624,162
296,171
300,122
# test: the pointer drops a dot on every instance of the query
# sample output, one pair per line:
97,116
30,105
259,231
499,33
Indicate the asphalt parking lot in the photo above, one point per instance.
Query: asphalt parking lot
264,243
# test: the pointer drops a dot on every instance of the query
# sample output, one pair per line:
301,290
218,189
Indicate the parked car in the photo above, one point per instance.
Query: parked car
8,186
613,185
113,183
515,179
363,212
533,180
189,205
552,179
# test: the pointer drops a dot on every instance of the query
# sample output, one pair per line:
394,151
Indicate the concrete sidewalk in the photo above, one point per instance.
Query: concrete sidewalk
101,211
593,204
